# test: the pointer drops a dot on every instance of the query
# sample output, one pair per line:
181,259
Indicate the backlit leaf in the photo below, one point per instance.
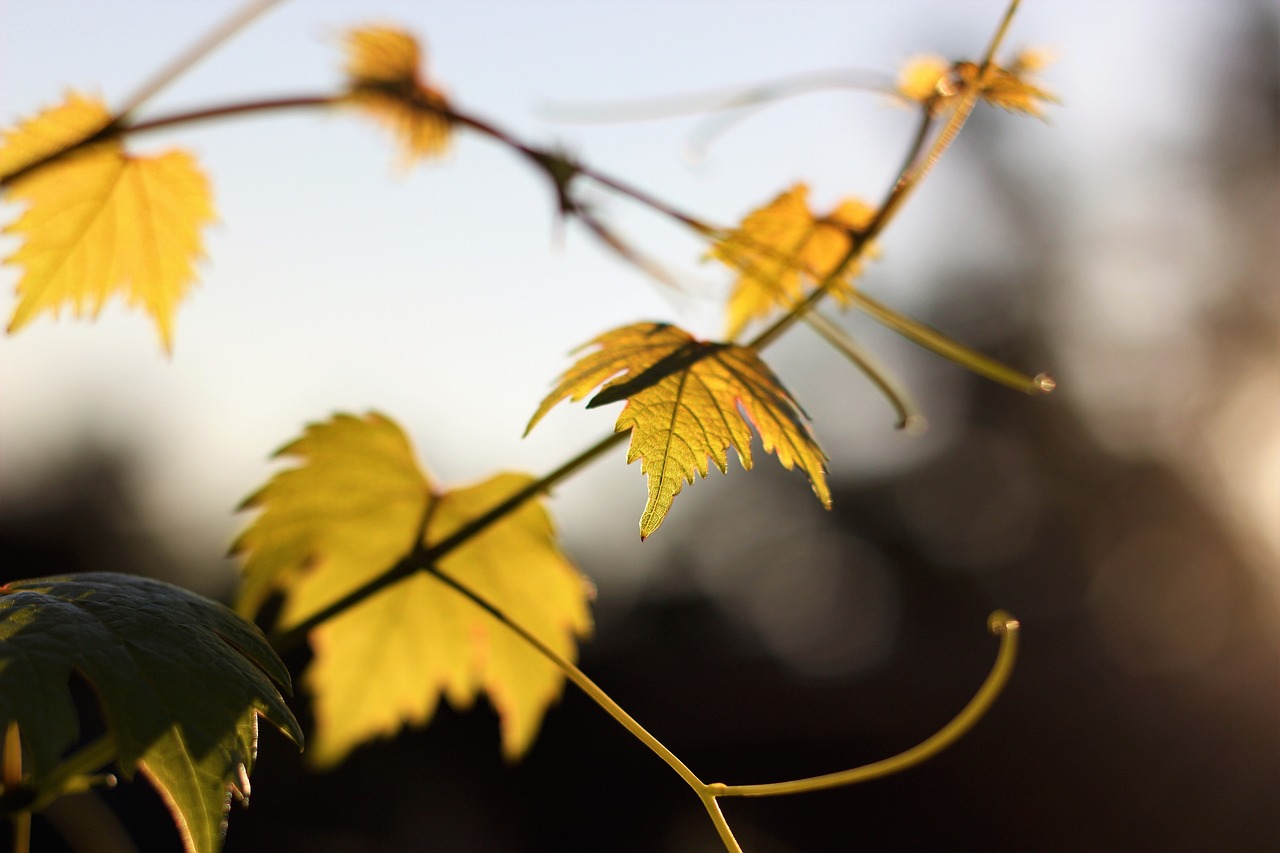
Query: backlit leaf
101,222
783,249
351,510
181,680
1010,87
937,83
685,404
51,131
383,69
924,77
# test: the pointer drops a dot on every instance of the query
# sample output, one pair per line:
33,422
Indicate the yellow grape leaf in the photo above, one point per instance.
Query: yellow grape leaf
935,82
1010,88
385,82
924,77
782,247
51,131
352,509
685,403
101,222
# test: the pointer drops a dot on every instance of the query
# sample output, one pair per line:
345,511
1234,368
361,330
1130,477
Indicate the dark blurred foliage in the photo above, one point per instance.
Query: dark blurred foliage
1144,713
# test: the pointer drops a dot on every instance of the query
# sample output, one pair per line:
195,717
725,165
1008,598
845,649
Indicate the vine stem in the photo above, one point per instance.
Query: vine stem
910,418
548,161
76,772
929,338
21,831
421,556
920,161
1000,623
574,674
116,128
11,777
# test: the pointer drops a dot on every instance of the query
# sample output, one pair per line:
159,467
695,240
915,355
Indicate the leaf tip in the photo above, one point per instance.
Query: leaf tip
650,521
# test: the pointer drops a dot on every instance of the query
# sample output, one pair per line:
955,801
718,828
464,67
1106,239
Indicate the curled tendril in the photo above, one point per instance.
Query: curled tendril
1002,625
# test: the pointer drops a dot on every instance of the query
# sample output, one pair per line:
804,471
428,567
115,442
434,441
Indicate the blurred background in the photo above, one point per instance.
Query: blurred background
1131,520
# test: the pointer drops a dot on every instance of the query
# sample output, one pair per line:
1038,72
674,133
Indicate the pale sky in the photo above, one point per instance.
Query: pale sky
446,298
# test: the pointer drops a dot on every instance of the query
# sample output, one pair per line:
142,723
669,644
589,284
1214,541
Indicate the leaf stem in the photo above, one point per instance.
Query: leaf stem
576,675
21,831
857,245
229,110
918,164
999,623
419,556
953,350
543,484
909,416
117,127
549,162
709,799
11,768
84,762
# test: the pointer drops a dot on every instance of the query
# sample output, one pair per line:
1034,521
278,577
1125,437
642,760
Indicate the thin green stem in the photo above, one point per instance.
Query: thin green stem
948,348
11,767
1000,623
859,241
912,174
80,765
1003,626
21,831
857,245
909,416
708,797
420,556
577,676
1001,31
514,502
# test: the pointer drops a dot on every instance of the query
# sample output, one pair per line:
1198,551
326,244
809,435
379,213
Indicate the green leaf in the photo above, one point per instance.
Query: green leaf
181,679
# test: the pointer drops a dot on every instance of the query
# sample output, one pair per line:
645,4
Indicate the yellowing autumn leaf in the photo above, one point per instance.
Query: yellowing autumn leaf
385,82
51,131
100,222
1011,88
354,507
783,248
935,82
924,77
686,401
